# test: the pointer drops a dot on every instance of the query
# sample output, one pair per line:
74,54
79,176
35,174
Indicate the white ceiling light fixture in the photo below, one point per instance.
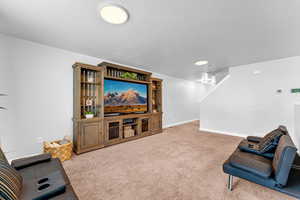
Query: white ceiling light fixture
114,14
201,62
207,79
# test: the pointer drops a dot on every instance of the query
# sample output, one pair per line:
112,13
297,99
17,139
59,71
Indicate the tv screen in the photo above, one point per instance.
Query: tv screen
125,97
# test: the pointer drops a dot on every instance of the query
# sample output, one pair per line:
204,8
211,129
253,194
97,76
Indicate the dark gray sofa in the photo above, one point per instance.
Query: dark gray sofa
35,167
277,173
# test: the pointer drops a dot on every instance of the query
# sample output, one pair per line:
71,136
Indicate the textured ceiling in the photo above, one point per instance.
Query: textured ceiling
164,36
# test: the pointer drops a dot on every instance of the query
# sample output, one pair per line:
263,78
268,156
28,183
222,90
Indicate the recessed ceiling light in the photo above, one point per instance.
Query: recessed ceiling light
201,62
114,14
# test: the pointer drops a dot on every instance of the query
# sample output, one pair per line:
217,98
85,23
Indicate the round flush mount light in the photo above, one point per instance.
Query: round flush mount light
201,62
114,14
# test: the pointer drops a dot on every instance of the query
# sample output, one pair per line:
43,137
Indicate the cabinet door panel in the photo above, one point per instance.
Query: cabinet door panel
90,135
113,131
156,123
145,125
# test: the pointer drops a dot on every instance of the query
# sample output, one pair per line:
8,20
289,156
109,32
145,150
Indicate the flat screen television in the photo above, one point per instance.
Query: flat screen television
125,97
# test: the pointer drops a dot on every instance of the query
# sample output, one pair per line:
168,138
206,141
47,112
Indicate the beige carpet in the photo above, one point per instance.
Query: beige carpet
180,163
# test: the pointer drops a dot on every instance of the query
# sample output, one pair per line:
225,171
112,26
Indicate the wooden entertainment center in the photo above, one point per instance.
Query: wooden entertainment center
104,129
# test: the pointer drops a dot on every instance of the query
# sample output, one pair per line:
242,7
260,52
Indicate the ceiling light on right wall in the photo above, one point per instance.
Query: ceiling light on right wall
201,62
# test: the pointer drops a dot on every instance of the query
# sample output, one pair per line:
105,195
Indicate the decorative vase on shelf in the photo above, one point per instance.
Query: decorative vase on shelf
89,115
89,102
90,77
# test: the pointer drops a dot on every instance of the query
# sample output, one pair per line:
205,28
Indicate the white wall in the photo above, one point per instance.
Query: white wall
248,104
181,100
43,94
6,88
297,123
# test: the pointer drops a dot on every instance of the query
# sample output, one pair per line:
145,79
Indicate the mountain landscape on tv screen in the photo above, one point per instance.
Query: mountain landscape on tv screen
129,97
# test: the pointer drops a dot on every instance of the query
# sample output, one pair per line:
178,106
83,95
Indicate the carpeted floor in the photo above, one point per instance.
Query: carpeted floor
180,164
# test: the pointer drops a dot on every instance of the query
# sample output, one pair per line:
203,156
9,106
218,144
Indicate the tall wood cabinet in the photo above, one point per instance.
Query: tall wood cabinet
88,97
100,130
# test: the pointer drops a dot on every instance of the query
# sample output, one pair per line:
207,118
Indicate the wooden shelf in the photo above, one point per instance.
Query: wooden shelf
156,95
88,97
118,72
130,137
91,83
127,116
89,120
130,124
128,80
114,126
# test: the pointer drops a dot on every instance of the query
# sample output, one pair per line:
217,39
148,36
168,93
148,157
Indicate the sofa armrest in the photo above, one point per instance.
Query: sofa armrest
254,139
29,161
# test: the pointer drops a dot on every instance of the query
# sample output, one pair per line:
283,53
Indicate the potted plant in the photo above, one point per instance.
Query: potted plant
89,114
129,75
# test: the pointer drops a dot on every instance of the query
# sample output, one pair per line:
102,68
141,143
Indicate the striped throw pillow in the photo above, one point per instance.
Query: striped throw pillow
10,182
270,141
2,156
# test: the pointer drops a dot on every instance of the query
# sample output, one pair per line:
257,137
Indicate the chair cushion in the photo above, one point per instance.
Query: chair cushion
255,164
283,159
10,182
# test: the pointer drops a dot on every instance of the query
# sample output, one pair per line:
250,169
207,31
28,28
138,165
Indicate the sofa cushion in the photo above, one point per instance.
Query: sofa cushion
252,163
10,182
42,169
283,159
46,187
237,172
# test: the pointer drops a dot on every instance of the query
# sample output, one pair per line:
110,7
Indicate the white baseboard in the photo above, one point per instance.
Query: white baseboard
221,132
10,158
180,123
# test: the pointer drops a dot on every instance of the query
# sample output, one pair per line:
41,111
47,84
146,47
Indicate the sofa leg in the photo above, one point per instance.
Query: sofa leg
230,180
